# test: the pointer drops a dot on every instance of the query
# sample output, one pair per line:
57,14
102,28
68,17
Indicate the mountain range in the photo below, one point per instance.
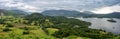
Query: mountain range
70,13
65,13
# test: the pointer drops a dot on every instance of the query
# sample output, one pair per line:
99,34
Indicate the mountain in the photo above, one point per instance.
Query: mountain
66,13
71,13
20,12
111,15
88,12
12,12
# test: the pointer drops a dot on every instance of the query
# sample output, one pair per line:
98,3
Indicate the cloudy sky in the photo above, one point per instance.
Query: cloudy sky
97,6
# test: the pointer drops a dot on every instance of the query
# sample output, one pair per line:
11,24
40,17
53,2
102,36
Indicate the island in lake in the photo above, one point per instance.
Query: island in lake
112,20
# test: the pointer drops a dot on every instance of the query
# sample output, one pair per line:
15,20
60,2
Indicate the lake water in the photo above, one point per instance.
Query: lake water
102,23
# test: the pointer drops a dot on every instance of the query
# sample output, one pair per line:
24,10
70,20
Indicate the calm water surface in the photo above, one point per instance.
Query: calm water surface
102,23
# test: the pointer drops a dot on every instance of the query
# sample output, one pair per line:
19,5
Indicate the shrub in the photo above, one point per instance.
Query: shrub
6,30
25,32
9,25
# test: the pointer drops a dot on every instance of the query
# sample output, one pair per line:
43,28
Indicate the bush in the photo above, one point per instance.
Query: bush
6,30
25,32
9,25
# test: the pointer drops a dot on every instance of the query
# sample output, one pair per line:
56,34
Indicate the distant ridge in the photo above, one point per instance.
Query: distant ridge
13,12
66,13
70,13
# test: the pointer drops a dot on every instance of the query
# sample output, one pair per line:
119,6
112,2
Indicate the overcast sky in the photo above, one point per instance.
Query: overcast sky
97,6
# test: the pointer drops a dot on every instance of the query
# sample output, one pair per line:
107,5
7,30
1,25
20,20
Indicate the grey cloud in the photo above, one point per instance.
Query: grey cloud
65,4
78,4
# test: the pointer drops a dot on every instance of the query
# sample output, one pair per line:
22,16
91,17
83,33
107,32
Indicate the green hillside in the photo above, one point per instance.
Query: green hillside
37,26
13,12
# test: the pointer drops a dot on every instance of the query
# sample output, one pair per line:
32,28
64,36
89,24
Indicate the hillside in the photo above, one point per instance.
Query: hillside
38,26
12,12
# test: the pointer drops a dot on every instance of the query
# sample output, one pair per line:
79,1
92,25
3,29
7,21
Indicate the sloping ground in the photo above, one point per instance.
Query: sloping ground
37,26
12,12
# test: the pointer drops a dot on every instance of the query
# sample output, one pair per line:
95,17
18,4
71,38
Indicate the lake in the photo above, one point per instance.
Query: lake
102,23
